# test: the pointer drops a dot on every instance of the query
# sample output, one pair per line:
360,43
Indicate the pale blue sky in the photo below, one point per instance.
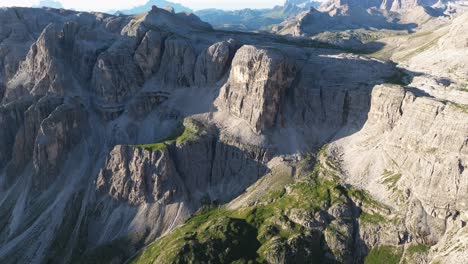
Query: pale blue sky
103,5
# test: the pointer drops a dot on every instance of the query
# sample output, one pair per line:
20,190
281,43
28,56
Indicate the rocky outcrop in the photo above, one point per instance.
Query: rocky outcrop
16,38
258,80
179,62
145,103
149,53
65,44
213,62
58,134
11,116
26,136
412,141
137,176
42,68
199,168
116,76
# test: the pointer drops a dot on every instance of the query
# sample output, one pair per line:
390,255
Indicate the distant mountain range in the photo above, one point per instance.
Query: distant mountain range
305,17
159,3
49,3
355,14
255,19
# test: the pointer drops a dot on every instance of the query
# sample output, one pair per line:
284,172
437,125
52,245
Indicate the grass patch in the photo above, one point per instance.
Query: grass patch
418,249
384,255
391,179
188,132
373,219
212,235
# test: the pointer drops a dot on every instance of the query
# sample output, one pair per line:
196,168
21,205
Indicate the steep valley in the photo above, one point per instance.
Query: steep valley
156,139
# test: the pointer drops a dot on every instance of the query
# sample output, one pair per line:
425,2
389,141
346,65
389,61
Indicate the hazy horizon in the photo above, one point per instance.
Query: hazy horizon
92,5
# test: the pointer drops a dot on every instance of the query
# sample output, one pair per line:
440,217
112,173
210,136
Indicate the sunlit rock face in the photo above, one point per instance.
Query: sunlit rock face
257,82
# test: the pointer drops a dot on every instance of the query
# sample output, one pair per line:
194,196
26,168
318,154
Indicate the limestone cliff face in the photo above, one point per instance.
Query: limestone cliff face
416,142
139,176
203,168
179,61
66,127
257,83
213,63
116,76
13,115
161,187
26,136
40,67
148,55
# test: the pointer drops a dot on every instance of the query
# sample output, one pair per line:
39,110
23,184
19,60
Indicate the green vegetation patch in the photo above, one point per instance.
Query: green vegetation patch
220,235
188,132
391,179
212,236
415,249
368,218
384,255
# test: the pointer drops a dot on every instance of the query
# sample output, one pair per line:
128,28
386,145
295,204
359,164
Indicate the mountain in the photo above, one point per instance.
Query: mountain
339,15
367,26
49,3
253,19
155,138
160,3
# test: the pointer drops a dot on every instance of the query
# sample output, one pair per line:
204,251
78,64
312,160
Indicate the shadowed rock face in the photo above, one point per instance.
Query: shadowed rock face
212,66
116,129
62,130
149,53
25,138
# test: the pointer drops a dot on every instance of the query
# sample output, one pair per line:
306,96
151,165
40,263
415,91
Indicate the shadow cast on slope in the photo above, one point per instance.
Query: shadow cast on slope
331,99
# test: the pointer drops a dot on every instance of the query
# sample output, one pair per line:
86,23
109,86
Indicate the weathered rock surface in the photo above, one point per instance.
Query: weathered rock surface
257,83
213,63
66,127
202,168
26,136
404,139
179,62
148,55
116,76
137,176
13,115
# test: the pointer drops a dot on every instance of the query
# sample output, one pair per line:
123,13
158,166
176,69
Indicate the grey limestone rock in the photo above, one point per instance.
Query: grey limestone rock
178,62
257,82
213,62
58,134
